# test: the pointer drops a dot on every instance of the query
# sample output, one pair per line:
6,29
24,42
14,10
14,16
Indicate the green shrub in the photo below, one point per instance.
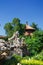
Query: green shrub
35,42
13,61
31,62
18,57
39,56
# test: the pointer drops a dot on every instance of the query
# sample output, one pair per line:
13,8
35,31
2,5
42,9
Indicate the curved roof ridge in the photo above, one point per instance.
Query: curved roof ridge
29,27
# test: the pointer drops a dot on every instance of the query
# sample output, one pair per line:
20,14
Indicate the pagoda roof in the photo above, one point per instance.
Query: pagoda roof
29,27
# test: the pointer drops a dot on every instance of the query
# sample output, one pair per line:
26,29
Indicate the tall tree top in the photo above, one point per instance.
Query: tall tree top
16,21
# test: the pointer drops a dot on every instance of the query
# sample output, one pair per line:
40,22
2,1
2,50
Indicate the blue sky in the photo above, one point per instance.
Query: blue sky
25,10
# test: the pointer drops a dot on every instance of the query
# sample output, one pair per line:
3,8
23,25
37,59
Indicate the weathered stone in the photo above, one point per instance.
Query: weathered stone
14,45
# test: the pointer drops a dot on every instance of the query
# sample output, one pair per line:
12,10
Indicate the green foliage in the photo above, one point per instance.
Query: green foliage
9,29
6,38
35,42
22,29
14,26
31,62
8,26
36,60
35,26
16,21
13,61
18,57
39,56
26,57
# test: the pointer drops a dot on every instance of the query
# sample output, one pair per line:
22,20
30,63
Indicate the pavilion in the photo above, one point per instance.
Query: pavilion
28,30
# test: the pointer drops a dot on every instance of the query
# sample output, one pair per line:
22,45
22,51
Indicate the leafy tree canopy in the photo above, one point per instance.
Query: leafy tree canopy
9,29
35,42
35,26
14,26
